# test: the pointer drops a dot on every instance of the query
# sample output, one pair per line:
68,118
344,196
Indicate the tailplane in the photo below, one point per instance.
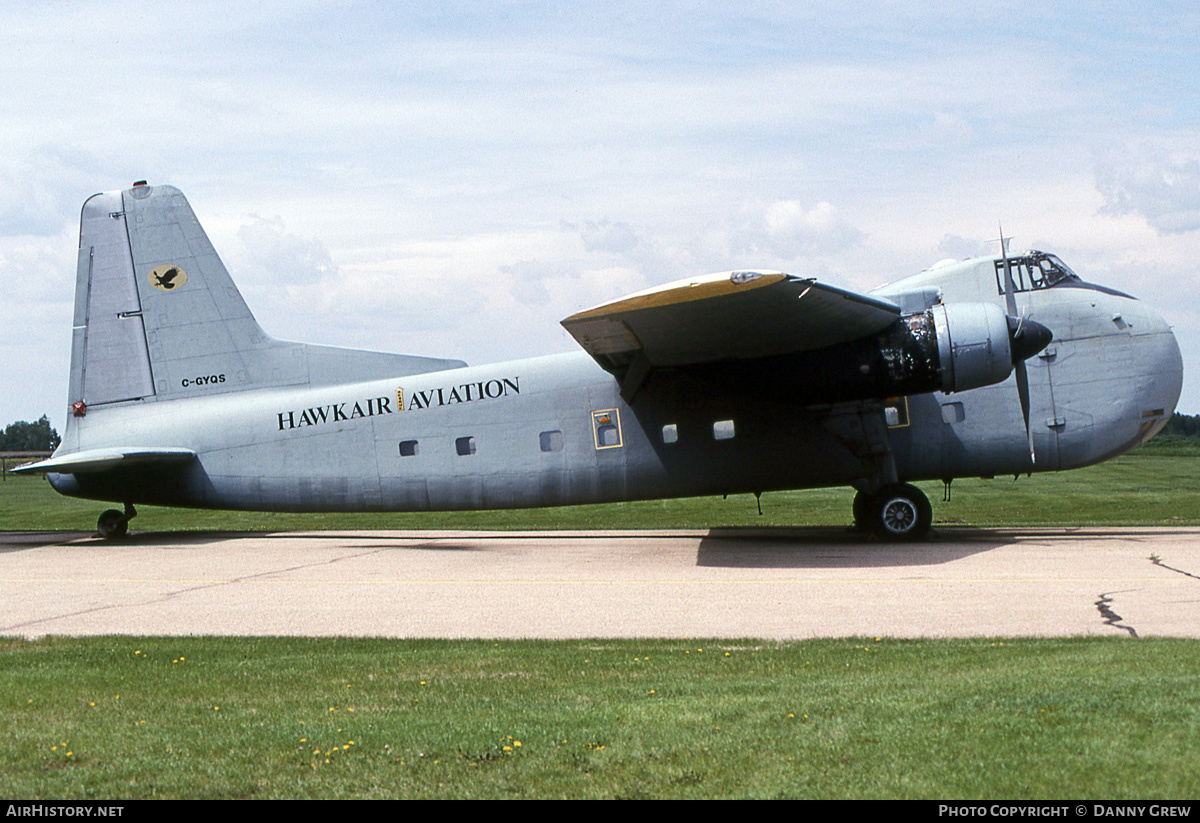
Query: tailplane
157,316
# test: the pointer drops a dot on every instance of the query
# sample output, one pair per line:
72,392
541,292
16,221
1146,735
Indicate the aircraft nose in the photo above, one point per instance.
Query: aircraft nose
1116,372
1167,365
1157,378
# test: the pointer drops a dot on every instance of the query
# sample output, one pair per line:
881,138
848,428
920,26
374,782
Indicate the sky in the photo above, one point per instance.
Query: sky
453,179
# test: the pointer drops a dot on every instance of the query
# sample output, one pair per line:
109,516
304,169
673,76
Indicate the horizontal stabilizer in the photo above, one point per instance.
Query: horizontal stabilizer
98,460
727,316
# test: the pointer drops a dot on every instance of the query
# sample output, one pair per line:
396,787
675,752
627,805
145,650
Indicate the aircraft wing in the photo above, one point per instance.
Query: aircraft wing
727,316
98,460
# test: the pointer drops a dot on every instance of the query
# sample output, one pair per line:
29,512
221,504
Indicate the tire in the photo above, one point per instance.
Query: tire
901,512
112,524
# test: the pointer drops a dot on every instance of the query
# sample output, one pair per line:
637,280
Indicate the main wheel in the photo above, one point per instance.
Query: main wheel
901,512
112,523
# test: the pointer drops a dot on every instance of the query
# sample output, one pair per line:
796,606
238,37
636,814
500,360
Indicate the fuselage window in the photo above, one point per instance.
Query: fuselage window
953,412
464,446
408,448
670,433
895,412
606,428
551,441
723,430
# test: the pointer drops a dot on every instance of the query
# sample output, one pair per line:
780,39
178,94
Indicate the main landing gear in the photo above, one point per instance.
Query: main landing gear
114,524
899,511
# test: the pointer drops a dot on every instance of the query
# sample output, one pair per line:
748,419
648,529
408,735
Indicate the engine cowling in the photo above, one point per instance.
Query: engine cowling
948,348
973,343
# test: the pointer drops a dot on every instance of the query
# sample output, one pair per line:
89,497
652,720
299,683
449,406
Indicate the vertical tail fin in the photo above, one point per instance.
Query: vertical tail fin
157,316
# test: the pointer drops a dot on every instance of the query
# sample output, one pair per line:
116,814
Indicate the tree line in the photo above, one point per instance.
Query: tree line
1182,425
23,436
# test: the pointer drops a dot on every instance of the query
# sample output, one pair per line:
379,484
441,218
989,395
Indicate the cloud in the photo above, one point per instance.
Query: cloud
278,256
42,193
529,278
1164,189
793,230
962,248
606,236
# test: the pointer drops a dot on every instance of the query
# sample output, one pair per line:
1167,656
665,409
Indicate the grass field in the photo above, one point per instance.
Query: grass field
1155,485
197,717
877,718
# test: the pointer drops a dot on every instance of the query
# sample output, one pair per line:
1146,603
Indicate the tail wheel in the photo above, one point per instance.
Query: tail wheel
901,512
112,524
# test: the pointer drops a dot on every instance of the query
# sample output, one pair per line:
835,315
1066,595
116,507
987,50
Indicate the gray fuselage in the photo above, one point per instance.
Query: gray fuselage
556,430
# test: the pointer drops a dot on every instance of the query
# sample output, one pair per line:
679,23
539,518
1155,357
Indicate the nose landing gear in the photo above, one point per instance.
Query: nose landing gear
114,524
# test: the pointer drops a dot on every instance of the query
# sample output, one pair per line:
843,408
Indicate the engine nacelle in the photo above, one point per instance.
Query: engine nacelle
973,343
949,348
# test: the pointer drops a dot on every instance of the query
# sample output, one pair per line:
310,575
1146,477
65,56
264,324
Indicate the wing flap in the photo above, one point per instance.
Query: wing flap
98,460
727,316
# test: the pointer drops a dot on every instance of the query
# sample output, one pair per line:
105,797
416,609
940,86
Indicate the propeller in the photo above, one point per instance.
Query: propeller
1026,338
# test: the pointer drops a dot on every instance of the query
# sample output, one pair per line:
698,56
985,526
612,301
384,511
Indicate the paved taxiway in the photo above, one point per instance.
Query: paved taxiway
782,584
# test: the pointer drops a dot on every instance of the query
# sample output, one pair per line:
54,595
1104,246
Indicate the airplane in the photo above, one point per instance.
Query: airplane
742,381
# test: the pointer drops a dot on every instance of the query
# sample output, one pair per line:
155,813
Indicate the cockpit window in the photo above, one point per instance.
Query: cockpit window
1035,270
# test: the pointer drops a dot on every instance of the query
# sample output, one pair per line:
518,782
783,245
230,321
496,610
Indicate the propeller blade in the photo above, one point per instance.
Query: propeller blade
1010,296
1023,394
1026,338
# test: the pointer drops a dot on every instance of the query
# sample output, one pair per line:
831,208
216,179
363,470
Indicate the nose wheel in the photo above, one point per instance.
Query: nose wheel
897,512
114,524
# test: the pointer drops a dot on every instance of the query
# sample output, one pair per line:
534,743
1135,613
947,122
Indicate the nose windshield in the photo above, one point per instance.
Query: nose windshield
1035,270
